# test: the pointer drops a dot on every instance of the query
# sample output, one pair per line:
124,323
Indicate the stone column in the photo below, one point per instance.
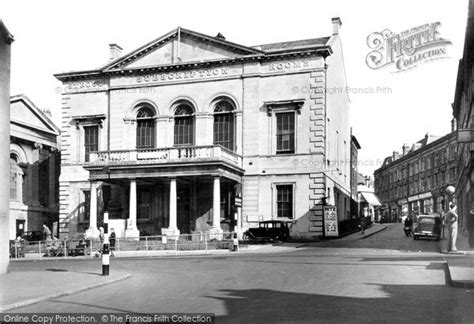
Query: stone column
172,231
36,174
216,231
5,50
132,230
52,178
92,231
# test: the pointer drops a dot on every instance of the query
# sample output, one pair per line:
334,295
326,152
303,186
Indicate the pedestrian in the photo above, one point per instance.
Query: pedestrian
46,232
112,241
408,224
363,224
452,222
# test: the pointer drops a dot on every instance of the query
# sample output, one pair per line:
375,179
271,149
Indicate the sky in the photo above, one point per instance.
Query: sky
387,109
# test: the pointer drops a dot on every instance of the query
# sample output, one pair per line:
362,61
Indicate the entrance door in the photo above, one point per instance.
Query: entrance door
184,209
20,227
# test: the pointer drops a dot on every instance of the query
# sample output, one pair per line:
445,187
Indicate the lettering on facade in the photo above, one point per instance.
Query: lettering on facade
197,74
283,66
88,85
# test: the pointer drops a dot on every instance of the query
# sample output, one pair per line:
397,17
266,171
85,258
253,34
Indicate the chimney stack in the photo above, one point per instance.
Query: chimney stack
336,25
115,51
395,155
405,149
47,112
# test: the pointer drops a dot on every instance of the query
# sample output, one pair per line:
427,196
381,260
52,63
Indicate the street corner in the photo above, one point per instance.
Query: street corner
24,288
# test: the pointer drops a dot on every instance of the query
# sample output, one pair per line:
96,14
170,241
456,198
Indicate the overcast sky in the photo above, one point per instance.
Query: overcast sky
59,36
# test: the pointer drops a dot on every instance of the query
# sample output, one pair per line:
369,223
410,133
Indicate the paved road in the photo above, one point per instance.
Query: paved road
312,284
393,238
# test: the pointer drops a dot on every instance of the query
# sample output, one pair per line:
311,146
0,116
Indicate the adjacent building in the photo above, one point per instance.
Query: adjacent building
355,147
192,133
414,181
6,40
34,168
368,204
464,117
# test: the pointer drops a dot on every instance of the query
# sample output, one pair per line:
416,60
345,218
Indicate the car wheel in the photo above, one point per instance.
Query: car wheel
415,237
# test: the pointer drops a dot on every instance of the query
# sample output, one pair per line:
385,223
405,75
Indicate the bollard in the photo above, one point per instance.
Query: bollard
106,247
105,259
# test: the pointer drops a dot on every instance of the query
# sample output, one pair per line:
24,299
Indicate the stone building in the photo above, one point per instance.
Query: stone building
6,40
414,181
192,133
34,168
464,117
355,147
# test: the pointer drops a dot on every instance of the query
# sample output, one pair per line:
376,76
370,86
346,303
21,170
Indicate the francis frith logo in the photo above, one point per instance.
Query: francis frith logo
407,49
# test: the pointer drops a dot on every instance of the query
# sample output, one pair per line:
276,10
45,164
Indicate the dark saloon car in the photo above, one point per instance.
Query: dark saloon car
268,231
33,236
428,226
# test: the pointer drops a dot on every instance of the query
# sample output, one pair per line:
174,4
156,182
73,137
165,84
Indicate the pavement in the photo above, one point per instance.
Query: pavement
460,264
22,287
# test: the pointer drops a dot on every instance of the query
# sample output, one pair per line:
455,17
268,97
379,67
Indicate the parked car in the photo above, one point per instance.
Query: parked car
268,231
33,236
428,226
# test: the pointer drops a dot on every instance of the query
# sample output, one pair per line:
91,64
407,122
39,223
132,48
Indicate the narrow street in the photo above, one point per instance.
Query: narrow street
358,281
392,238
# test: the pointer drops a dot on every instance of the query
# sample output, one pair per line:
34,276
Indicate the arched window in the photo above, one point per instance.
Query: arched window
15,173
145,128
224,124
184,125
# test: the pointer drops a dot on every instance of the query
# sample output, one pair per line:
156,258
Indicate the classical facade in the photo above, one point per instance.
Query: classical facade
6,40
192,133
464,116
414,181
34,168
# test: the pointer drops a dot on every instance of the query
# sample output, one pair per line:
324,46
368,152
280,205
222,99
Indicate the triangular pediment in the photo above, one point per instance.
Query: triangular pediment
25,114
181,46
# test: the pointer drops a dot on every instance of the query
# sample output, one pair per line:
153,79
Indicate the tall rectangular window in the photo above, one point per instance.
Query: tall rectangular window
285,201
86,206
184,131
224,130
91,140
145,133
285,133
13,179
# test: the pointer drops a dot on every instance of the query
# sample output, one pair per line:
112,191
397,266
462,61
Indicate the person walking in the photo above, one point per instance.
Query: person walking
408,226
46,232
112,239
452,222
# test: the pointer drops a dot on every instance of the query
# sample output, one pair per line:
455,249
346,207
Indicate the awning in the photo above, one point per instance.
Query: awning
371,199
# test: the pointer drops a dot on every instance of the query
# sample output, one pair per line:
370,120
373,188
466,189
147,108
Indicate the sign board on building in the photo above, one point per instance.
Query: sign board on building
330,221
238,202
465,135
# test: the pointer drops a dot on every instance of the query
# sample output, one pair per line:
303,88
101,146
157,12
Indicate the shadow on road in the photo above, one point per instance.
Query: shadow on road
396,304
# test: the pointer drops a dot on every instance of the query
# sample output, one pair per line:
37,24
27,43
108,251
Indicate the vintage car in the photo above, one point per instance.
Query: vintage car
428,226
33,236
268,231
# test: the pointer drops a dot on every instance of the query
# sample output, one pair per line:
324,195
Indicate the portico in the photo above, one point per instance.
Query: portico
165,198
